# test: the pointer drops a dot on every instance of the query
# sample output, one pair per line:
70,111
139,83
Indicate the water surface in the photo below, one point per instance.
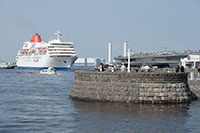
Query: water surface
32,102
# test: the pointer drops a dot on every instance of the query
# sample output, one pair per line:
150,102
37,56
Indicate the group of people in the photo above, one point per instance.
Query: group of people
110,68
122,68
143,68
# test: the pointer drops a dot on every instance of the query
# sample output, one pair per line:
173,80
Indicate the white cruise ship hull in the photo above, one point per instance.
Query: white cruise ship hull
45,61
36,54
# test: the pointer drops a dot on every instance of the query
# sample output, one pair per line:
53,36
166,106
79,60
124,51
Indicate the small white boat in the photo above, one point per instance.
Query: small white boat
50,70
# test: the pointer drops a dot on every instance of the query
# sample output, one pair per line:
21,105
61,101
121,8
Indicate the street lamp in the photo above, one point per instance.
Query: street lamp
129,59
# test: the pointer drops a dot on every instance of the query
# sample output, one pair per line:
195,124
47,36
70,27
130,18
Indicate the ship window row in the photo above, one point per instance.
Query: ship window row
60,56
62,53
60,46
35,53
60,50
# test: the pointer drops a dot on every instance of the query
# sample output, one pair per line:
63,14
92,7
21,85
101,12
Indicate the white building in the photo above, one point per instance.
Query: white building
90,62
81,62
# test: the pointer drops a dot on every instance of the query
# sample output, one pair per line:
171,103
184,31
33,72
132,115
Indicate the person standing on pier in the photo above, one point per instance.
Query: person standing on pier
112,69
101,67
177,68
182,69
123,67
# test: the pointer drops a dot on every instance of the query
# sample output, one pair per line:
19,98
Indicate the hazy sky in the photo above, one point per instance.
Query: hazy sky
147,25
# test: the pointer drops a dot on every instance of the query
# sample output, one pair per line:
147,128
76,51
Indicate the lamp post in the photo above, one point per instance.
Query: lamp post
109,52
129,60
125,48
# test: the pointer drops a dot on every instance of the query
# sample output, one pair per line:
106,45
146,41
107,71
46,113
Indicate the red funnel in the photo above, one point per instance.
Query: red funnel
36,38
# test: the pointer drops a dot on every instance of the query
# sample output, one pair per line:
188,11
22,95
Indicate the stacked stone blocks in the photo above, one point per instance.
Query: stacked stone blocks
137,87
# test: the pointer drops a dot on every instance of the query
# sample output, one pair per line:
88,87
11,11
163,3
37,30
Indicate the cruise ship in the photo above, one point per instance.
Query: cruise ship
36,54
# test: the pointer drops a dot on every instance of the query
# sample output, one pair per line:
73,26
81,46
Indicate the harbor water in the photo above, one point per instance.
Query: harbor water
32,102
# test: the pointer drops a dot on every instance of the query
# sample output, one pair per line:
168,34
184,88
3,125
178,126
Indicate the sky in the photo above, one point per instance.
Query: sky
147,25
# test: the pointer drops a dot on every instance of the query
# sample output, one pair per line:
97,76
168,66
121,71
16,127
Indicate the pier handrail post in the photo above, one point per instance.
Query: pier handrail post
129,62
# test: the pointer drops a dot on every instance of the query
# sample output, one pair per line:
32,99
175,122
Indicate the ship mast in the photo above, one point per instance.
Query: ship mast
58,35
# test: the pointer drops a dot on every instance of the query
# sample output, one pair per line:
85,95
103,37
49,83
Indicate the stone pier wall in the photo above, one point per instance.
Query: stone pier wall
195,87
137,87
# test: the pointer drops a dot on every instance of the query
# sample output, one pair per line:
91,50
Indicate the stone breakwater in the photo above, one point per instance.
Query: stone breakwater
134,87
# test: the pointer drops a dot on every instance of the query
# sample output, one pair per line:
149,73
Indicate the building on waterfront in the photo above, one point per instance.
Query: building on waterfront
89,62
161,59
